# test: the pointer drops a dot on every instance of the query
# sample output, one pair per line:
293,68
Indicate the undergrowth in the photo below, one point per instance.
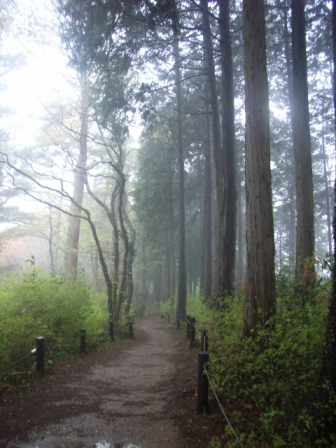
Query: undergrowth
266,383
34,304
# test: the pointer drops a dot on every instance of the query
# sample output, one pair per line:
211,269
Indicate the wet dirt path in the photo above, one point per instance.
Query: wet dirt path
120,397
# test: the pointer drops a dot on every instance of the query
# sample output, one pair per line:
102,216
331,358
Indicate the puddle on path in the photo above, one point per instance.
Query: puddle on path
109,445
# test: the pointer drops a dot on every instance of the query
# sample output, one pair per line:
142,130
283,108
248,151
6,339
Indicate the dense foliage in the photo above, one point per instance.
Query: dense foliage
33,304
267,383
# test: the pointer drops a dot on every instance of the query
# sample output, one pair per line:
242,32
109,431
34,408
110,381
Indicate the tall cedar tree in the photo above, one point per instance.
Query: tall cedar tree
228,148
302,143
260,282
326,388
182,276
217,147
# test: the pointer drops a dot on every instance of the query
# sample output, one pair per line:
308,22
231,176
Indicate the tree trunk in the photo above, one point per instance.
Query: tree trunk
240,230
228,145
260,284
290,155
302,144
326,186
207,211
326,387
217,288
79,181
170,242
130,259
182,278
330,346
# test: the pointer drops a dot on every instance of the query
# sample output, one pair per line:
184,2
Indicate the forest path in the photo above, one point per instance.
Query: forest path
119,397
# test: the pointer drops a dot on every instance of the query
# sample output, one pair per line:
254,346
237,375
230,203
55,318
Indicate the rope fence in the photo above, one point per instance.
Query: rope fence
204,379
39,351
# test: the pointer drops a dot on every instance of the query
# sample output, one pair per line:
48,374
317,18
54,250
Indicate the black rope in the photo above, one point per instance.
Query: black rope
10,367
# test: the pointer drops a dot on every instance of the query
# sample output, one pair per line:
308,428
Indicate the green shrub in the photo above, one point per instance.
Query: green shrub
34,304
267,381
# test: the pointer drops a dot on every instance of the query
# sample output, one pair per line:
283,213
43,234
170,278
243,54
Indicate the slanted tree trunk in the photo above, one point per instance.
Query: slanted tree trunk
302,144
79,181
260,284
228,145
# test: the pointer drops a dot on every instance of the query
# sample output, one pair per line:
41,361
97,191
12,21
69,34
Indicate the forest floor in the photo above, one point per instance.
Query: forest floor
137,393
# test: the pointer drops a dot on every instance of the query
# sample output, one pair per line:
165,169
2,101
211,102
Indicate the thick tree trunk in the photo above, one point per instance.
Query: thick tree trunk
290,156
260,284
329,365
217,288
326,387
228,145
182,277
79,181
302,144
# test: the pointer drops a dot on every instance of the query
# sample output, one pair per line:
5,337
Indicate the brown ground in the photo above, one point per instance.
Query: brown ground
138,393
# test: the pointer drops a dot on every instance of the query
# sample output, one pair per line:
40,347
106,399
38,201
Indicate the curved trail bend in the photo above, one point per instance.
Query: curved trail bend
120,397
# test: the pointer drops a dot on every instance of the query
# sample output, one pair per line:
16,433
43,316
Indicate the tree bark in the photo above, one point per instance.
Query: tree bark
217,288
206,286
80,175
228,145
260,284
302,143
182,277
290,155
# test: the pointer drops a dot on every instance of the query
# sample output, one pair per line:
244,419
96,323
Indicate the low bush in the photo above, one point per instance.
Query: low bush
34,304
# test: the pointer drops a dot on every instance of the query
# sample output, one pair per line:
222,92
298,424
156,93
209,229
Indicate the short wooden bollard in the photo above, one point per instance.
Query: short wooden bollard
130,327
40,354
202,385
188,327
168,318
83,340
192,331
204,340
177,323
111,330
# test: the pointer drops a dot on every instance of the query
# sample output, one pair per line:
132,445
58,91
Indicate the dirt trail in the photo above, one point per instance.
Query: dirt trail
120,397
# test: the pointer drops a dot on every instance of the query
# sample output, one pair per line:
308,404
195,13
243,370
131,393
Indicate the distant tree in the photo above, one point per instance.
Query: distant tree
260,284
79,175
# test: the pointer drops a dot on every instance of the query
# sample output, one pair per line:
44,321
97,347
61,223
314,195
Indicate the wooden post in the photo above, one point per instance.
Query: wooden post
204,340
188,327
130,327
83,340
40,354
192,331
111,328
202,385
